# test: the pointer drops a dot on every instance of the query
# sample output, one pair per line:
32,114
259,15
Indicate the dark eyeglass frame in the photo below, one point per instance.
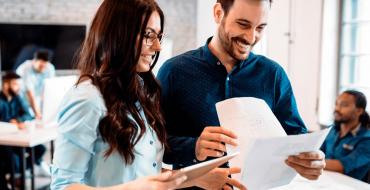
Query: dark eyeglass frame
151,36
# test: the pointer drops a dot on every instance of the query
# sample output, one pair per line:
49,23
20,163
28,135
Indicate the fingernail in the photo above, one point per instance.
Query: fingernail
184,178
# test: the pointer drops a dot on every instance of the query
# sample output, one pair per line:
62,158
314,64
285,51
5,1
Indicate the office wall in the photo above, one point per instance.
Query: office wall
180,16
296,25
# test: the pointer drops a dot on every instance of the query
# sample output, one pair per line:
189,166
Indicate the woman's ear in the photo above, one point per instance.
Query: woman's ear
218,13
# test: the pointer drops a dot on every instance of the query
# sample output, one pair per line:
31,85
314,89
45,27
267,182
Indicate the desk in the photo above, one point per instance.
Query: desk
328,181
25,139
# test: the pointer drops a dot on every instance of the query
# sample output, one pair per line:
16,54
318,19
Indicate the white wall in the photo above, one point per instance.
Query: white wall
293,38
300,51
205,23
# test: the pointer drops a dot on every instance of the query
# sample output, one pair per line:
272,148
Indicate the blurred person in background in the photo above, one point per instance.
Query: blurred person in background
33,73
14,110
347,146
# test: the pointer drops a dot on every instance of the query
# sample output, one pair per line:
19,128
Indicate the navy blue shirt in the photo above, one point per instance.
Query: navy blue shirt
13,109
352,150
192,83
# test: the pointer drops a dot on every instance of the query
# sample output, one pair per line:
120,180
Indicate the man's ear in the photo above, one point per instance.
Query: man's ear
218,13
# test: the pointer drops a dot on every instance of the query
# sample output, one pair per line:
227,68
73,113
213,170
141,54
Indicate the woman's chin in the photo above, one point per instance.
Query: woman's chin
143,68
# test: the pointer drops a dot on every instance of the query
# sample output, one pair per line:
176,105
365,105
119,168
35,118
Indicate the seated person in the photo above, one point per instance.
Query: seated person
5,166
347,144
14,110
33,73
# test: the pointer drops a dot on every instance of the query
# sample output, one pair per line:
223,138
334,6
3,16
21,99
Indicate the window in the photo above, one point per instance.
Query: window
354,55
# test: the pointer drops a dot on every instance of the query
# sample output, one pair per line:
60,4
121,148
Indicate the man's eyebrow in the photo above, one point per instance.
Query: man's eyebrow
245,21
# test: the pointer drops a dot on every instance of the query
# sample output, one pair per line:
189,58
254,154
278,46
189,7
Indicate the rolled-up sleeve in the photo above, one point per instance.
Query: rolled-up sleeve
78,124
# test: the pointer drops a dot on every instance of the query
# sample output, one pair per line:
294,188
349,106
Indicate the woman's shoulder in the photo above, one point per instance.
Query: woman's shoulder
84,94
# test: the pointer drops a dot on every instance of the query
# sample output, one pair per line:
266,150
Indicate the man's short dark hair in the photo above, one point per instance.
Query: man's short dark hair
10,76
226,4
41,55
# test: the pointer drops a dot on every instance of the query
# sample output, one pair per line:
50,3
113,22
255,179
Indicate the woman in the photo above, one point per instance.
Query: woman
112,131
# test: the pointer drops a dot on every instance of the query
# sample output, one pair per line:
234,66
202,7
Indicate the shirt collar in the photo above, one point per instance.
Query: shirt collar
212,59
356,130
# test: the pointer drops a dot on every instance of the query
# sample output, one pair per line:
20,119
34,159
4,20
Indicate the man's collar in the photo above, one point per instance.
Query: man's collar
212,59
356,130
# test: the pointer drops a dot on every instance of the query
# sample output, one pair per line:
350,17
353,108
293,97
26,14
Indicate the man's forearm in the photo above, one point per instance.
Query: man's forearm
334,165
31,98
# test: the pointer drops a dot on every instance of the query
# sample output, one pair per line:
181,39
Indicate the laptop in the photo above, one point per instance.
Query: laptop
54,90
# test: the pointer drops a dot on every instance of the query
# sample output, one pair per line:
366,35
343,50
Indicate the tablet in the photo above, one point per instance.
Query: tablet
200,169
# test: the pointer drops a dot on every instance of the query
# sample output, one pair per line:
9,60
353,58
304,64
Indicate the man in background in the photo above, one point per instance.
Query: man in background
33,73
12,107
14,110
347,146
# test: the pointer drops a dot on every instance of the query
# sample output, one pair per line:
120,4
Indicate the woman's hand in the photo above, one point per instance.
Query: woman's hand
164,181
218,178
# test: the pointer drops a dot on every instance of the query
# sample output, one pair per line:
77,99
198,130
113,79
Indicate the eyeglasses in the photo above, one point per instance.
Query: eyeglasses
150,37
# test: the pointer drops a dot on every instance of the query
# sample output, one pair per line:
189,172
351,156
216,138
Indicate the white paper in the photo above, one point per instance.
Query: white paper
263,143
249,118
264,164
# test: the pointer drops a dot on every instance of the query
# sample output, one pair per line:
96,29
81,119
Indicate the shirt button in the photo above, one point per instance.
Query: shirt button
218,63
154,165
151,142
227,78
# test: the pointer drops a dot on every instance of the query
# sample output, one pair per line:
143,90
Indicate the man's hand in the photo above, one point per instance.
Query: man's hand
20,125
211,142
308,164
218,178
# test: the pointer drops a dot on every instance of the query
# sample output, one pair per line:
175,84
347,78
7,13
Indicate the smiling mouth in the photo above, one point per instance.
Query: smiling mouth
244,47
148,58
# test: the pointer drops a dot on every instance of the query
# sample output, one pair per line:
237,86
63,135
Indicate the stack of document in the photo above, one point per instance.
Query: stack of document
262,143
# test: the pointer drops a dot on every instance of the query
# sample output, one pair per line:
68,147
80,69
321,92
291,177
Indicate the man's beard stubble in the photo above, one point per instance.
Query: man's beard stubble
12,93
227,43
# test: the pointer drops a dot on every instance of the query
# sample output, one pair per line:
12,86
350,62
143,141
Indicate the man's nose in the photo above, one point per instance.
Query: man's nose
250,36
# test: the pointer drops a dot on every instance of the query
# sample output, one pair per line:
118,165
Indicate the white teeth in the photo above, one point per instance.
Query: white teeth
242,45
147,58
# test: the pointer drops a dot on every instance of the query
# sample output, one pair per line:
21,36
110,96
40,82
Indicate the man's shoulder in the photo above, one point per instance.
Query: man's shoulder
25,65
266,62
50,66
185,59
366,134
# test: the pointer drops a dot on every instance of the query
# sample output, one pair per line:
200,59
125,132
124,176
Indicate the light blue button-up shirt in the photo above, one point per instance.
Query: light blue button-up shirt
79,149
34,81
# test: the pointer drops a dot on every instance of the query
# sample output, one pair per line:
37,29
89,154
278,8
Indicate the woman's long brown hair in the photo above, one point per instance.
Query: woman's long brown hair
108,58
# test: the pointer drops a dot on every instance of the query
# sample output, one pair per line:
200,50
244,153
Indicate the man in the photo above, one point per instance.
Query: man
33,73
347,146
14,110
224,68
